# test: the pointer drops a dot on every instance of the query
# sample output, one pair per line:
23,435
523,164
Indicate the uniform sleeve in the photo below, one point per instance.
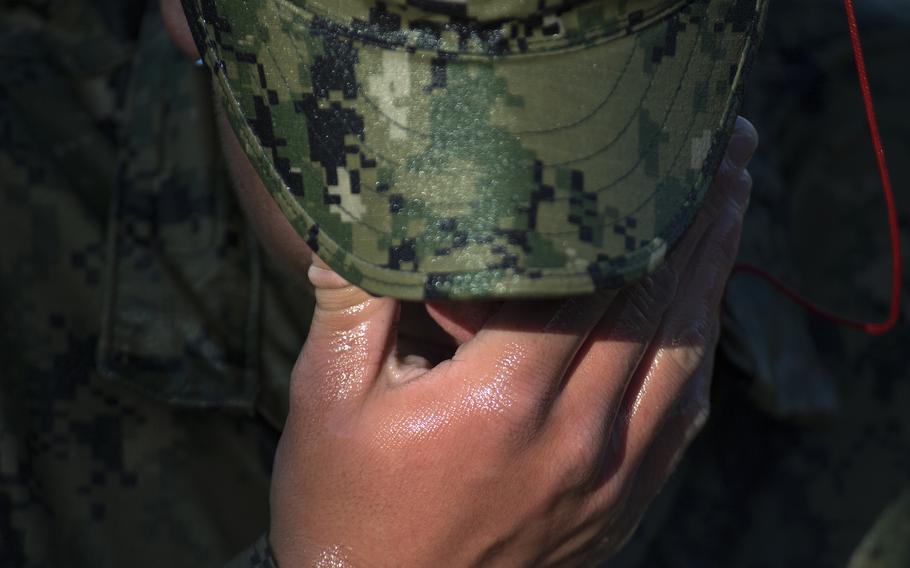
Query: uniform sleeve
259,555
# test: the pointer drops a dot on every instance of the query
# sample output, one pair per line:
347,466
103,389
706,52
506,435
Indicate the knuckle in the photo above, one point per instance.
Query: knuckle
730,194
660,286
651,296
580,456
690,345
721,257
506,416
714,204
523,418
735,207
504,397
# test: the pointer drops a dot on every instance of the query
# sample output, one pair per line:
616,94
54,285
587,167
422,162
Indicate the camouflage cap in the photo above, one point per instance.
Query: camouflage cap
483,148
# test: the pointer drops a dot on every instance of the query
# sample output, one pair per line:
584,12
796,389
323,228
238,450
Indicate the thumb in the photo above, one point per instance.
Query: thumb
351,338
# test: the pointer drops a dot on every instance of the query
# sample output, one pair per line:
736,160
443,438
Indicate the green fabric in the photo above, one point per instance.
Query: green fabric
492,149
128,426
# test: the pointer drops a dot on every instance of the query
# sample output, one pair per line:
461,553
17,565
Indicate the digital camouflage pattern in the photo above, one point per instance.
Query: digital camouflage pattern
492,148
146,343
129,431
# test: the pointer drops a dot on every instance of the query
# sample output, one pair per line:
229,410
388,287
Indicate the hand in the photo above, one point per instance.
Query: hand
541,441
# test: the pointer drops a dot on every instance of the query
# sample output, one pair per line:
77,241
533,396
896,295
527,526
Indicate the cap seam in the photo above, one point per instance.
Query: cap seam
421,41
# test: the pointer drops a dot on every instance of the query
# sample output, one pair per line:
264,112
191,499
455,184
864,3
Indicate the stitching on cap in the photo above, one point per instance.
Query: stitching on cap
421,40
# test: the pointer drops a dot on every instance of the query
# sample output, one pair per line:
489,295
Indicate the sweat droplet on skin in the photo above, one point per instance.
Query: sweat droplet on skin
334,557
347,363
419,426
494,395
356,309
481,398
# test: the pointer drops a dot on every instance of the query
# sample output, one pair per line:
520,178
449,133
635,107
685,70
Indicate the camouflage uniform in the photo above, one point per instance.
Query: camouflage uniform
132,432
143,393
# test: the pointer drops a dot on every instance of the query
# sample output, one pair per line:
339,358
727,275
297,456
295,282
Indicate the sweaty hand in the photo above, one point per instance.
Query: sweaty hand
540,442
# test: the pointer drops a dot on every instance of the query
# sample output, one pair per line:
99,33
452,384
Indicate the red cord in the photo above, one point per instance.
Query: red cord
894,228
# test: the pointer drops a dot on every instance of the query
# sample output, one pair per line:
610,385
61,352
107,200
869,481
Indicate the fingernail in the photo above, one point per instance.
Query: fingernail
325,278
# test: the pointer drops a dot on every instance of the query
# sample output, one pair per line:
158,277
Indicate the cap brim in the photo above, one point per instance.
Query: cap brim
418,175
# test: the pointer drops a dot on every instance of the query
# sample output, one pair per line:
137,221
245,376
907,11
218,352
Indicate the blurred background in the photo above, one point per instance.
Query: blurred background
806,459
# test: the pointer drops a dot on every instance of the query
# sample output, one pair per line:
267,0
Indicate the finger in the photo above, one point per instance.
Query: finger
686,336
742,146
175,23
616,346
350,342
543,357
526,347
679,429
647,480
462,320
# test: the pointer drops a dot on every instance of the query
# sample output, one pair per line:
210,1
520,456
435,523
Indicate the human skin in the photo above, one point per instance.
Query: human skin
540,440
